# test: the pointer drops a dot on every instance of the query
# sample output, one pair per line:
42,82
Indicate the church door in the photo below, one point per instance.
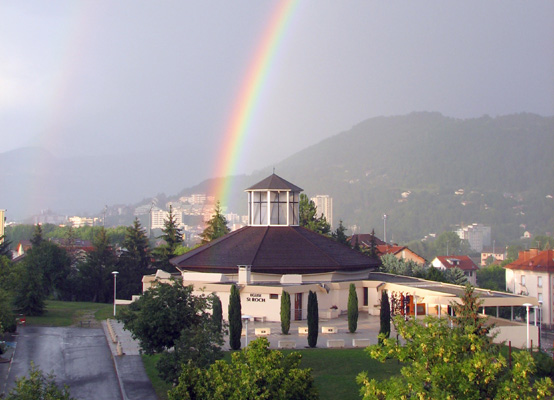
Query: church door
298,307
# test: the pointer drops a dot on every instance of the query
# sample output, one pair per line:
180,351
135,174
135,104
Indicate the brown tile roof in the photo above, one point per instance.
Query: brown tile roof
274,249
275,182
465,263
533,260
388,249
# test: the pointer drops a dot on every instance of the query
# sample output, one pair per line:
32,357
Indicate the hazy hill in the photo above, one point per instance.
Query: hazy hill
504,165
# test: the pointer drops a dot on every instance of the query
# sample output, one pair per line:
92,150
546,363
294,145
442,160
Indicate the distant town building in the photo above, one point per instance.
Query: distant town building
465,263
2,223
160,216
324,205
78,222
498,254
477,235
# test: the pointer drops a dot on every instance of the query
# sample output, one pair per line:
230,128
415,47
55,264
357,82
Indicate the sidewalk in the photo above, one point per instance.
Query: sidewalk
134,383
5,361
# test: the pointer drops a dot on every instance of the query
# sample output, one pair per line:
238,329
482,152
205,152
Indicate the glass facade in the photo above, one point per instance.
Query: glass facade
273,207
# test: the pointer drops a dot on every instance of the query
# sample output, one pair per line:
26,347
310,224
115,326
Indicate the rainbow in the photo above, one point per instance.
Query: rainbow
239,124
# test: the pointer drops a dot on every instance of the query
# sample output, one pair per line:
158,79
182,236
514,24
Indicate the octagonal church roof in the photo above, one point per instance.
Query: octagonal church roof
276,250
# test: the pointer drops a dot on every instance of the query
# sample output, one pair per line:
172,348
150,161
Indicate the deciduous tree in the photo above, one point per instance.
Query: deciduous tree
38,386
254,373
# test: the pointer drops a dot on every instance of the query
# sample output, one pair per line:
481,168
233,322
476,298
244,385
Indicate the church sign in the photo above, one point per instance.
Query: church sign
255,297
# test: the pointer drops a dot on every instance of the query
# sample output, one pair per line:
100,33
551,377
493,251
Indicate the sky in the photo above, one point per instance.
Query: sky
130,76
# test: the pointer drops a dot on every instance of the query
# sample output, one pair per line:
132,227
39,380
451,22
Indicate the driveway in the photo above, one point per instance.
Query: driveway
78,357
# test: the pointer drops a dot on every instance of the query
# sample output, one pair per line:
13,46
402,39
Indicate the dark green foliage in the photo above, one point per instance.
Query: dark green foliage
253,373
467,313
309,219
162,313
544,364
492,277
95,274
285,312
5,247
313,319
352,309
173,238
38,386
216,226
198,345
339,234
134,262
217,313
384,317
7,318
373,253
30,297
37,238
235,321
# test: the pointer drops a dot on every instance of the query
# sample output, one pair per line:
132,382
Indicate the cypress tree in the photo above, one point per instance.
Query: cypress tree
217,313
352,309
384,316
235,322
285,313
313,319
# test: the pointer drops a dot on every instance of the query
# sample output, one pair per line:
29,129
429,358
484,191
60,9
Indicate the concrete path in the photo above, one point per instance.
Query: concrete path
78,357
135,384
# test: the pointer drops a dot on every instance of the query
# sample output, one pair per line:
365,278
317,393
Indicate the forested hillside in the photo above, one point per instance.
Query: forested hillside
504,165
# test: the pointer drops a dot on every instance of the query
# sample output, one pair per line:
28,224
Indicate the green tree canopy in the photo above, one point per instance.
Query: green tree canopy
285,312
134,261
235,321
309,218
441,362
216,226
173,238
95,274
339,234
492,277
5,245
253,373
38,386
313,319
158,318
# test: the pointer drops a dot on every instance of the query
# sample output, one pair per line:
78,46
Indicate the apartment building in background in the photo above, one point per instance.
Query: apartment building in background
324,205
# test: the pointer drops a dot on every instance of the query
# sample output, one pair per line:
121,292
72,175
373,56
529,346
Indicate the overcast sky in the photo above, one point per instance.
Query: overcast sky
84,77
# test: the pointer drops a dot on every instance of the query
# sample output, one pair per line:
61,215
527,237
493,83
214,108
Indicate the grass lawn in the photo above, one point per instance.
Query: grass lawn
334,371
66,313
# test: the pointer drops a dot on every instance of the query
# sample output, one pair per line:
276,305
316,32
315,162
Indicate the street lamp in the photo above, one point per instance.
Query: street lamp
540,322
385,228
527,305
114,289
246,318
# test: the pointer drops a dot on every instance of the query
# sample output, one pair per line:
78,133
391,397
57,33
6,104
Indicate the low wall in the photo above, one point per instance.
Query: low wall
517,334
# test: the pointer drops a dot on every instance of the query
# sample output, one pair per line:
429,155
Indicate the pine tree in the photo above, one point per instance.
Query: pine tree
373,246
352,309
173,237
339,234
216,226
235,322
309,219
37,238
30,296
285,313
217,315
313,319
134,261
384,316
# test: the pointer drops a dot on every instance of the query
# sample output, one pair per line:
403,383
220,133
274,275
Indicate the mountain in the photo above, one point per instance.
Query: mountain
409,167
504,166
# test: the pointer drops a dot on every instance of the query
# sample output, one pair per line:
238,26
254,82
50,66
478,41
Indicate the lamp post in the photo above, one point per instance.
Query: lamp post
385,228
246,318
527,305
114,289
540,322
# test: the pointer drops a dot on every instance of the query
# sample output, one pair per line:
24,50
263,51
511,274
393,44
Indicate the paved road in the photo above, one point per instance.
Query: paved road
79,357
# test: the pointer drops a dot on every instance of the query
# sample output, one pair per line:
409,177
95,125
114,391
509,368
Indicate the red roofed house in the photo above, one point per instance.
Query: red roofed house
400,252
465,263
532,274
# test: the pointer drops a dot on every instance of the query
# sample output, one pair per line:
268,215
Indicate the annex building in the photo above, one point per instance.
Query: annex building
274,254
